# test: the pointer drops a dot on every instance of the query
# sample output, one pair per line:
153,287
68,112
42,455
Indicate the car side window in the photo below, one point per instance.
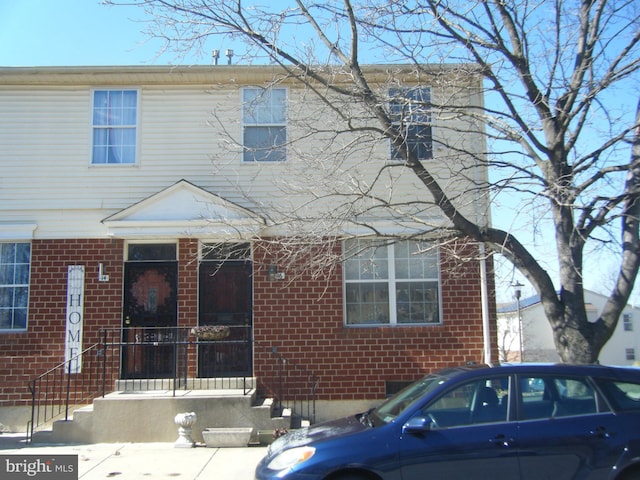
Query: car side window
479,401
622,395
550,396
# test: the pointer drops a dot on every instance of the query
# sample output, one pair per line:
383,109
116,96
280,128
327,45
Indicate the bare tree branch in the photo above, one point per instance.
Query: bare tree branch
554,128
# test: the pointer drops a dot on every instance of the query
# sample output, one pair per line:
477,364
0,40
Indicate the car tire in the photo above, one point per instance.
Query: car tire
633,474
352,476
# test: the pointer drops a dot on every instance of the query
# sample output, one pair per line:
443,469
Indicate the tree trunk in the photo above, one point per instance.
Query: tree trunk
574,347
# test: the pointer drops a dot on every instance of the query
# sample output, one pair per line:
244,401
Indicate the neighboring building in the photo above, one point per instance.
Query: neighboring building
537,345
139,197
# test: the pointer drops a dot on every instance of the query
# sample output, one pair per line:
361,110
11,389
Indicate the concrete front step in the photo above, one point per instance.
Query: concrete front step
148,416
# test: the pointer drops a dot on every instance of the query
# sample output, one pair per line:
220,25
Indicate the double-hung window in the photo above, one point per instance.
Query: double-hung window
264,124
410,113
15,259
114,124
391,283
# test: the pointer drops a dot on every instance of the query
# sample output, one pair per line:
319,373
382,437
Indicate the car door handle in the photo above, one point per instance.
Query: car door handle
600,432
501,440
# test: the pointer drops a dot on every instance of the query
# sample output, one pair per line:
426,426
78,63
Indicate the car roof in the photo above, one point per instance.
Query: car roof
474,370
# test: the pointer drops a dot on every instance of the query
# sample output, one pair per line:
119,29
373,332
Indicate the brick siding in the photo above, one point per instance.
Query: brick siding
301,317
27,355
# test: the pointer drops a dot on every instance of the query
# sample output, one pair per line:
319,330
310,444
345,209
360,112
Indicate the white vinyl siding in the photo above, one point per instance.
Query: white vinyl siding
190,131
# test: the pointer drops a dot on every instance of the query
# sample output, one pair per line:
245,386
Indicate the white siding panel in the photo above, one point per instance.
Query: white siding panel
184,132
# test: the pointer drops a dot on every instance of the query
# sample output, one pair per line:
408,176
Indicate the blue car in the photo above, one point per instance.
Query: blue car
526,422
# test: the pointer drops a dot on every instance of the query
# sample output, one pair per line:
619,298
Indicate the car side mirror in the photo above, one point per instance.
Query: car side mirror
417,425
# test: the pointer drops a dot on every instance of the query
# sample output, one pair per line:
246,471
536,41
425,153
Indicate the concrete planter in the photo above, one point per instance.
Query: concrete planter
227,437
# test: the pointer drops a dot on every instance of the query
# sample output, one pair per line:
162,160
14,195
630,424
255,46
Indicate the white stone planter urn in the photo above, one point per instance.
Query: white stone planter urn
185,423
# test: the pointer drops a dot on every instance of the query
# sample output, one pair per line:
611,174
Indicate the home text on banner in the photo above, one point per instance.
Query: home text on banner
75,309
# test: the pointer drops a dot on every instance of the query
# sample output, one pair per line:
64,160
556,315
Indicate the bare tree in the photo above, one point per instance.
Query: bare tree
558,133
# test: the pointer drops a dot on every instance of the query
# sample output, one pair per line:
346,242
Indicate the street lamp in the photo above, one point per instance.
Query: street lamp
517,292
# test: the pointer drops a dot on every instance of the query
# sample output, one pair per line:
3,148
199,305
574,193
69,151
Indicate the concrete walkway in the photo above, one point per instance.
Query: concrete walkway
129,461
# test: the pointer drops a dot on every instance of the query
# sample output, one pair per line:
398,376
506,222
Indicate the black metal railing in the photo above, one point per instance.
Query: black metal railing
73,383
170,359
291,385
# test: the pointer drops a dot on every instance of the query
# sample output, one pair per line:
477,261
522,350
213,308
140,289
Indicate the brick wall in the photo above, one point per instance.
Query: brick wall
188,293
302,318
27,355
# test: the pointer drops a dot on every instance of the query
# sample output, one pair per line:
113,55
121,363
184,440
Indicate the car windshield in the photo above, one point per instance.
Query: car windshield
396,404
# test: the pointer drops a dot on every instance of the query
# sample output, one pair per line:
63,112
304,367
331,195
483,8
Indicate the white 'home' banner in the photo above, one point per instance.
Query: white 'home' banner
75,309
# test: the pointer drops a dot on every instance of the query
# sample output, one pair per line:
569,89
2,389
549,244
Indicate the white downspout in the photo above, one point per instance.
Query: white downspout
484,294
480,215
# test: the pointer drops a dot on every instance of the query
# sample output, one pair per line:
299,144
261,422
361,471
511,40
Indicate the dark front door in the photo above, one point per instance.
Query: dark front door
149,318
225,299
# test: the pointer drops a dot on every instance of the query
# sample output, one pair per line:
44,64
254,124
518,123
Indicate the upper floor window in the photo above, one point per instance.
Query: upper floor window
264,132
391,283
15,259
114,123
627,322
410,112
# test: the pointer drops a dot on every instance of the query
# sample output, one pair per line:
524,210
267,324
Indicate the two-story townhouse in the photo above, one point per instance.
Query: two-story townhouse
525,334
142,198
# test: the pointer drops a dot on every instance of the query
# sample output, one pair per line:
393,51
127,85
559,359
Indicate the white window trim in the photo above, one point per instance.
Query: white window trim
391,282
17,232
244,124
137,162
22,330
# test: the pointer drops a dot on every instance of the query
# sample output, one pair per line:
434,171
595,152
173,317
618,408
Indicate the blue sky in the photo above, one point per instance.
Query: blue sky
74,32
85,32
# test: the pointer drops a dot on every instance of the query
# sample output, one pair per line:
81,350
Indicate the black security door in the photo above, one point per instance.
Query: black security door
225,299
149,316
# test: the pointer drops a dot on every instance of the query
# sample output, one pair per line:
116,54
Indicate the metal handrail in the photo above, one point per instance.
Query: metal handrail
58,389
290,385
55,391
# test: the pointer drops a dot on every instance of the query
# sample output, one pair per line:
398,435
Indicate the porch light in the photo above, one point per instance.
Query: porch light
274,274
